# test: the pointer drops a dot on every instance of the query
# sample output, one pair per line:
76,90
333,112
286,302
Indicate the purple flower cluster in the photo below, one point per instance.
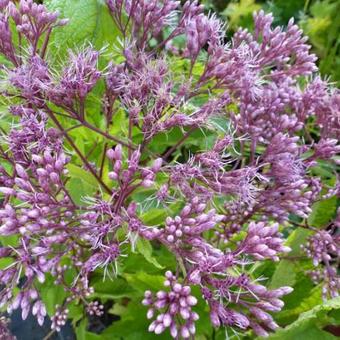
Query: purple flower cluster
187,225
79,77
4,331
32,22
324,248
59,318
263,241
226,202
176,304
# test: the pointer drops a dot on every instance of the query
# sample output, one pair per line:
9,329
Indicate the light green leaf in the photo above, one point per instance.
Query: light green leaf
323,212
144,247
111,289
237,12
51,294
77,189
9,240
89,22
154,216
87,177
5,262
142,281
309,325
296,239
284,275
313,299
286,271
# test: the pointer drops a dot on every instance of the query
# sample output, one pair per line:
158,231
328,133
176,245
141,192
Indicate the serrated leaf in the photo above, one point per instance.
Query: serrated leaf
89,22
291,272
285,273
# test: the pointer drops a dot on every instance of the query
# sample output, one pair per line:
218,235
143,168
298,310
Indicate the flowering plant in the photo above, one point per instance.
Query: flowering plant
171,153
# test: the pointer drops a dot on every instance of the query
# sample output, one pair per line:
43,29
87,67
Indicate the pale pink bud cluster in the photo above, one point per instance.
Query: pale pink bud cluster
59,318
264,241
24,300
95,308
225,192
192,221
125,175
172,306
324,249
32,21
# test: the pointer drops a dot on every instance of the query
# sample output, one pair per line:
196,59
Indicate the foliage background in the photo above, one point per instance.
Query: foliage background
305,315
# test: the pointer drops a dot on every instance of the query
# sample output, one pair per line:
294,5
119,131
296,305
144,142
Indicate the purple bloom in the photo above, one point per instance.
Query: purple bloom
324,248
221,198
78,78
172,306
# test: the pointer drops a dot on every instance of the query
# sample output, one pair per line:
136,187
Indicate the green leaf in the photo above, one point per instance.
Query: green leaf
154,216
308,330
309,325
142,281
295,239
51,294
75,312
77,190
284,275
5,262
239,13
303,288
287,270
111,289
163,140
87,177
292,272
323,212
312,299
89,22
133,324
10,240
81,330
144,247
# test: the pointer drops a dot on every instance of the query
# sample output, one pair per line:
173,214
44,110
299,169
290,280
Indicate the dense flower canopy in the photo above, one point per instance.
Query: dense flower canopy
227,204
